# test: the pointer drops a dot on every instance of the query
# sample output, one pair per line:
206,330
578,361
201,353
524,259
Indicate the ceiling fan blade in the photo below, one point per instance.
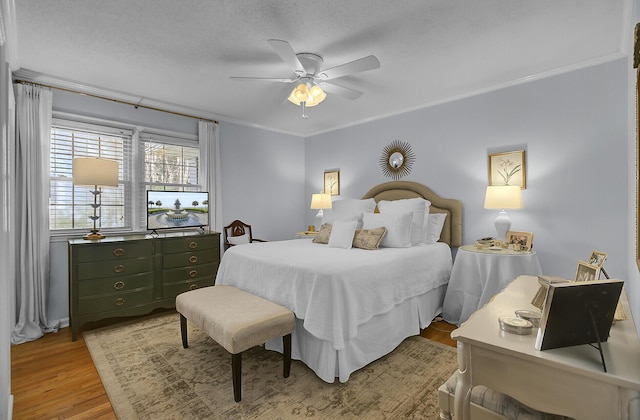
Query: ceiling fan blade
265,79
340,90
286,53
363,64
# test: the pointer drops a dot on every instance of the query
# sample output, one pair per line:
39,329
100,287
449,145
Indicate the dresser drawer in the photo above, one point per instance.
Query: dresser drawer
176,275
189,258
114,302
101,269
190,243
112,285
122,250
172,290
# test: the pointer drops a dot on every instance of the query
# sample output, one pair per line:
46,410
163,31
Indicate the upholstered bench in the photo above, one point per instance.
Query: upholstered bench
237,320
487,404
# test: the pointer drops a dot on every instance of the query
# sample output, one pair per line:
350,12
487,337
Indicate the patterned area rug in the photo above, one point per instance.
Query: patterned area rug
148,375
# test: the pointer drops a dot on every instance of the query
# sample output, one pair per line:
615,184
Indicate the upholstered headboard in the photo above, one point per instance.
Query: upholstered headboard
398,190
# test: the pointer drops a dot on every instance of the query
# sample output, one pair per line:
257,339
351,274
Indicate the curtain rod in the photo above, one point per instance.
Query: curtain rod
23,82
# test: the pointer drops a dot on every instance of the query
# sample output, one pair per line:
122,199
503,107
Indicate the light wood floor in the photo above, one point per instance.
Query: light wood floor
54,377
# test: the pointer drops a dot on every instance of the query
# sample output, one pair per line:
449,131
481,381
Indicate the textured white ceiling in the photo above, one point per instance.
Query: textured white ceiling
182,53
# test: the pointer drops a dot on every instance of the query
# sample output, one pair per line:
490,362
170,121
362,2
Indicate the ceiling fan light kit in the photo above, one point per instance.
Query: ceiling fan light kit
306,69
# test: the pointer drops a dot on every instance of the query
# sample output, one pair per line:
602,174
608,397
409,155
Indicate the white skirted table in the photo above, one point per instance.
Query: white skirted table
478,275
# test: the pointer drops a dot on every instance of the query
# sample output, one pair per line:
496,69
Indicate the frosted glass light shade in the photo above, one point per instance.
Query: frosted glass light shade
95,171
321,201
309,93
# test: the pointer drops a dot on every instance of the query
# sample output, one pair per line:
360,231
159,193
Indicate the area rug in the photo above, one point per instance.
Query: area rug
148,375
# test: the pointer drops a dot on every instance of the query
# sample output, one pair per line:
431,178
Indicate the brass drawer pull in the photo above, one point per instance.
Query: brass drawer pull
193,273
118,268
118,285
118,252
119,301
193,259
193,245
193,286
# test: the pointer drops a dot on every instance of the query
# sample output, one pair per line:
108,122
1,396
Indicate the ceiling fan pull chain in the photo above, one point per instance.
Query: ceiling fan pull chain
304,110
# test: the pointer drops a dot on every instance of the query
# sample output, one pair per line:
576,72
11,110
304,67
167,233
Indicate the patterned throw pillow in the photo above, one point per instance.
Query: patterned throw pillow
323,234
369,238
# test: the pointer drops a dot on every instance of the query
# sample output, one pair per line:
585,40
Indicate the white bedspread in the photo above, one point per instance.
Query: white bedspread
332,290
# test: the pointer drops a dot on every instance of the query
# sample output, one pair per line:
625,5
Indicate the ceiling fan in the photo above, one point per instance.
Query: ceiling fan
313,83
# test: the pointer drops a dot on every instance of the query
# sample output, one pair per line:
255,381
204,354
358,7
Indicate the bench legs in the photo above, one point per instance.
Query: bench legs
183,331
236,367
236,359
286,355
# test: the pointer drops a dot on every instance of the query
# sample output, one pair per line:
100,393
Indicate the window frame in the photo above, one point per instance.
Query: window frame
132,173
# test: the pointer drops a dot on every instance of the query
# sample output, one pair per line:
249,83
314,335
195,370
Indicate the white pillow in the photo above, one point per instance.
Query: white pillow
419,209
342,234
434,227
238,240
398,227
348,210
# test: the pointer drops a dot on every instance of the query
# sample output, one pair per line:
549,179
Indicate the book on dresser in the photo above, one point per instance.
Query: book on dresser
135,274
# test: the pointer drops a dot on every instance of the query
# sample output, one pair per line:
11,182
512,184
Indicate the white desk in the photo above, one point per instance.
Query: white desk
478,275
568,381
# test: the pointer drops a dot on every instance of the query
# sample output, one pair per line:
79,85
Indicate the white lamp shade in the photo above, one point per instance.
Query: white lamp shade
321,201
503,197
95,171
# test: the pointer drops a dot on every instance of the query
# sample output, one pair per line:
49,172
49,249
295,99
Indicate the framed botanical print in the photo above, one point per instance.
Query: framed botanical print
507,168
332,182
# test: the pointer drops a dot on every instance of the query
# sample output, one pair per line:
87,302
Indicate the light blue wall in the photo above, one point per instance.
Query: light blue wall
573,127
263,180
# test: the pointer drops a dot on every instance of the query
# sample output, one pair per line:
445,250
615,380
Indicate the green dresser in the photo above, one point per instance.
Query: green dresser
133,275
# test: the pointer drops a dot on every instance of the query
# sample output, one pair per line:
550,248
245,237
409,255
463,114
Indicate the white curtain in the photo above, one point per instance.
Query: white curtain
209,141
31,210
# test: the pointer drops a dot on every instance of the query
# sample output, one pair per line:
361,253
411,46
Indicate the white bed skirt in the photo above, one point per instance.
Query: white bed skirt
376,338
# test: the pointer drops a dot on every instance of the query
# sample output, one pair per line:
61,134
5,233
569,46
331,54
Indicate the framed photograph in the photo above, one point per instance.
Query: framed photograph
507,168
332,182
597,258
587,272
521,241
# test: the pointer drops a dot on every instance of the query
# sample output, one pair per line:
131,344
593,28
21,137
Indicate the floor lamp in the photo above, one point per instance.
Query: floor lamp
503,198
95,172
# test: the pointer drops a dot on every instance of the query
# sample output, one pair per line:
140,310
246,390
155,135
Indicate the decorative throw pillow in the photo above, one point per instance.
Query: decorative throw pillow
238,240
369,238
323,234
398,228
434,227
348,210
419,209
342,234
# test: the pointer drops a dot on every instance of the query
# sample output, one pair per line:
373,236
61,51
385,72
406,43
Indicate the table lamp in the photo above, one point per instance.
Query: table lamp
503,197
96,172
320,202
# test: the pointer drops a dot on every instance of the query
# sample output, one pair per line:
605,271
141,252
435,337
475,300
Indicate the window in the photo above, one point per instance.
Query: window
162,163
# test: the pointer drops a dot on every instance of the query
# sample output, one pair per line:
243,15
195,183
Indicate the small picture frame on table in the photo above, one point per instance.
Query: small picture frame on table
597,258
332,182
587,272
519,241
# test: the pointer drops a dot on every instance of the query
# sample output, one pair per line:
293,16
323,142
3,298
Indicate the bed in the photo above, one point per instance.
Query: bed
352,306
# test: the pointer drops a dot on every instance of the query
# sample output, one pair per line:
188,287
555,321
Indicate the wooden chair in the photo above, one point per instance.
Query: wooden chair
238,232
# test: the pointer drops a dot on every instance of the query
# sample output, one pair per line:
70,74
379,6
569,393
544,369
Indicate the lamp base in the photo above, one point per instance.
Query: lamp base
503,224
93,236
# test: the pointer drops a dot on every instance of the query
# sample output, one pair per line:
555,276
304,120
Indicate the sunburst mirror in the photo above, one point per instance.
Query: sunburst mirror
397,159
